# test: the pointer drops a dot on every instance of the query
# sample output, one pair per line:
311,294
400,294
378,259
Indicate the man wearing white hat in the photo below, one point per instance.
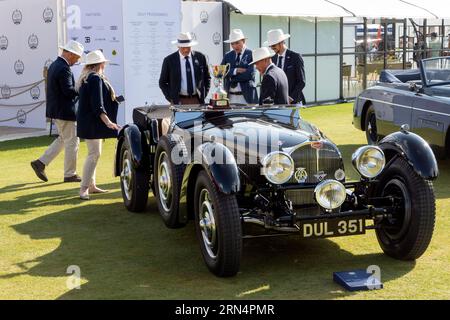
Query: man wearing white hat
240,81
291,62
184,75
274,85
61,98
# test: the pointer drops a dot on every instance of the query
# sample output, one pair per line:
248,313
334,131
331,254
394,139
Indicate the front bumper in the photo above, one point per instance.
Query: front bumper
321,224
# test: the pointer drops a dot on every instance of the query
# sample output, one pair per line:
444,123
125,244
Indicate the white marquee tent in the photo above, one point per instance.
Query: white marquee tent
430,9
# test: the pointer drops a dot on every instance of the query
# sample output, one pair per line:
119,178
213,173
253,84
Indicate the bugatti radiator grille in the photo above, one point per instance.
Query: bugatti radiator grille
313,165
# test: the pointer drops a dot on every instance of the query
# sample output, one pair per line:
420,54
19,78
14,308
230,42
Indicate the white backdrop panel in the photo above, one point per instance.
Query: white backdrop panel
149,28
98,25
28,41
204,19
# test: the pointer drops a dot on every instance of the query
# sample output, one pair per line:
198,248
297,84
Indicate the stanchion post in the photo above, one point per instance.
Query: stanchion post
45,75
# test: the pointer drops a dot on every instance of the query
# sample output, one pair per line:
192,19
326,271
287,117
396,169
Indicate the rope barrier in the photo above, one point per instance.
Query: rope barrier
26,113
29,87
21,105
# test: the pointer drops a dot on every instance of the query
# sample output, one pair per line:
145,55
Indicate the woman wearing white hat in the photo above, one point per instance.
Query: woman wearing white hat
96,116
291,62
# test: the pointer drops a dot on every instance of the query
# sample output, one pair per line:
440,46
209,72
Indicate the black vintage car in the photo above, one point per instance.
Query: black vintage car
263,171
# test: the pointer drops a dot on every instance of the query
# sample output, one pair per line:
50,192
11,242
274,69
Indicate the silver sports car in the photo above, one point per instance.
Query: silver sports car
418,98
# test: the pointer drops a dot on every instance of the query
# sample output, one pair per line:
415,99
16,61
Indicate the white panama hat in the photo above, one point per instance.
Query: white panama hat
185,39
235,35
94,57
275,36
261,53
74,47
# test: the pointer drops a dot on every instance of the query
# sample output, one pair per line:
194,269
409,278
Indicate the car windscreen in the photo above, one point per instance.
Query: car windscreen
436,71
289,115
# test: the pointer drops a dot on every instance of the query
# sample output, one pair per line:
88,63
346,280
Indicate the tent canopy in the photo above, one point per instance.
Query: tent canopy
400,9
312,8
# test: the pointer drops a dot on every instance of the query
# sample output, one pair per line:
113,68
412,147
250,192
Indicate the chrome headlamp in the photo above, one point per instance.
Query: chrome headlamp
369,161
330,194
278,167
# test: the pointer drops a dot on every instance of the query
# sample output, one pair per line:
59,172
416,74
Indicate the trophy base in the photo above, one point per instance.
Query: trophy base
219,104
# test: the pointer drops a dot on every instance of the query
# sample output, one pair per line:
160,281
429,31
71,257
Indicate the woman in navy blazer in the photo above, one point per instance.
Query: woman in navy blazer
96,116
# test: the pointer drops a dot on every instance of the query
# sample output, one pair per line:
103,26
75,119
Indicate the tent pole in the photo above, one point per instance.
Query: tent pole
226,22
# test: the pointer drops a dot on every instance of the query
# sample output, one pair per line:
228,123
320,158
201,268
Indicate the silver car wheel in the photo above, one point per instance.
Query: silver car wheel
126,175
164,182
207,224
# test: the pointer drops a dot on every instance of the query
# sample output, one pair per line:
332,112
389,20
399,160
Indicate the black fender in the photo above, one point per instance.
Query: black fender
414,149
137,142
223,171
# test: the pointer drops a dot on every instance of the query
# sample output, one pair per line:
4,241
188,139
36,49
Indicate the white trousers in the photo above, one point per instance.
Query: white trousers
68,140
94,147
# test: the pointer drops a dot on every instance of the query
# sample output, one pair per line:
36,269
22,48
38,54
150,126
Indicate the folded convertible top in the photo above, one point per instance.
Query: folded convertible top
398,76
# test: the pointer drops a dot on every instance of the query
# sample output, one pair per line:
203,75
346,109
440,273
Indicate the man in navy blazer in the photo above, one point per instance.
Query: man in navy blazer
240,81
185,75
291,62
274,84
61,98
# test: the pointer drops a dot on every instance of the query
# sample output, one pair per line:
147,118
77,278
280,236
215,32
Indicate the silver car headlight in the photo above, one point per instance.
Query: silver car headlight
330,194
278,167
369,161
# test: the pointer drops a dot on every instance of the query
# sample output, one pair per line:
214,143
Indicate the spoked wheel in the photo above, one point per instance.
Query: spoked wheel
167,181
134,183
218,227
164,182
407,234
371,126
207,224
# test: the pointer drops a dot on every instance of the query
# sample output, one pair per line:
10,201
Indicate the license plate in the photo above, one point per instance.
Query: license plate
338,227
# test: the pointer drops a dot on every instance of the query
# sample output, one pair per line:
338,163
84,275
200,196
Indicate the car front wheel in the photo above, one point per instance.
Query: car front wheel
370,126
218,227
407,233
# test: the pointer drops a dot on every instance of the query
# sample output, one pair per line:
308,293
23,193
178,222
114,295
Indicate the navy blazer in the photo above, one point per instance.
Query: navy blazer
274,86
61,95
170,78
295,72
246,79
95,99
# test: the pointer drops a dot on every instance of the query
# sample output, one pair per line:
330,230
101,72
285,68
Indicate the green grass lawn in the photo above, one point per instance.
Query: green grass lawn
45,228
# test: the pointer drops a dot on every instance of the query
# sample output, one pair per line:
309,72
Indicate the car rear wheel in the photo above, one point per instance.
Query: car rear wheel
167,181
370,126
407,234
134,183
218,227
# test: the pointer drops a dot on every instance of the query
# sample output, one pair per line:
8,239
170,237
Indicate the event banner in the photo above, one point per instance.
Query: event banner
98,25
135,35
149,28
28,42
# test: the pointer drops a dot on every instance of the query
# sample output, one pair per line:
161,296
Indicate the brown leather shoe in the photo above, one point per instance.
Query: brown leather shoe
39,169
75,178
